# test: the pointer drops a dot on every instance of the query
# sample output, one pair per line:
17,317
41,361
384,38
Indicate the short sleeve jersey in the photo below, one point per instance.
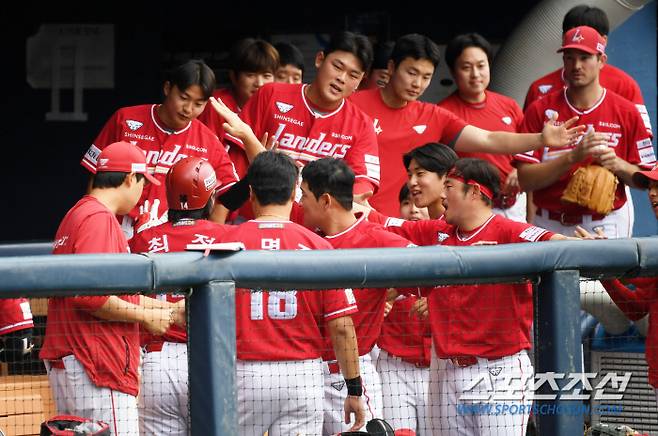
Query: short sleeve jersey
611,114
15,315
496,113
276,325
162,147
398,132
370,301
170,237
283,111
109,351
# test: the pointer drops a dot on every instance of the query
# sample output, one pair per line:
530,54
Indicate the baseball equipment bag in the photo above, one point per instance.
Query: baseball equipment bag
593,187
379,427
67,425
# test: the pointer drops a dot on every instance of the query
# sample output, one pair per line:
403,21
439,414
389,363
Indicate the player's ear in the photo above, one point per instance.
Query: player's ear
390,67
252,197
319,58
604,59
167,88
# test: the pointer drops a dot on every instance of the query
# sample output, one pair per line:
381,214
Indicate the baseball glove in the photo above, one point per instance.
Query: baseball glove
593,187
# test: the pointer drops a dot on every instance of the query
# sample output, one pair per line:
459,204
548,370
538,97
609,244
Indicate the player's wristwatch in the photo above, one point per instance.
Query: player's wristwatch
354,386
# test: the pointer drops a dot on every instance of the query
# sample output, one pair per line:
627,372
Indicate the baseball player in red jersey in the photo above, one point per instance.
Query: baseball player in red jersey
468,57
253,63
611,77
167,133
313,121
327,186
402,122
16,326
291,63
163,399
280,333
408,209
644,300
616,139
91,346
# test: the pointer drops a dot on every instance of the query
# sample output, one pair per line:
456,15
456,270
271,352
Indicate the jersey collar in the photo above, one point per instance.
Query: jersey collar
314,113
155,119
349,229
475,233
587,111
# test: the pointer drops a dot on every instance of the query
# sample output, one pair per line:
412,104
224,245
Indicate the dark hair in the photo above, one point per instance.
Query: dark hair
175,215
111,179
289,54
479,171
330,176
583,15
193,72
272,177
252,55
436,158
382,51
354,43
404,193
460,43
417,47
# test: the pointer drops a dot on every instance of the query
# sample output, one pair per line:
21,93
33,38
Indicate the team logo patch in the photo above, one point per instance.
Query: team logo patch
103,162
577,37
378,128
210,182
283,107
134,125
495,371
420,128
338,385
442,237
549,113
507,120
545,88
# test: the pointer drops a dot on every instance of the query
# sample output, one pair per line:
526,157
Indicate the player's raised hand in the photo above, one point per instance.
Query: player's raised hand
269,142
581,233
563,135
421,308
354,405
234,126
158,320
148,216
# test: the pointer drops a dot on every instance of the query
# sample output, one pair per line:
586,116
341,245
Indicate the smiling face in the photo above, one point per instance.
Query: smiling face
653,196
339,74
411,78
471,73
181,107
425,187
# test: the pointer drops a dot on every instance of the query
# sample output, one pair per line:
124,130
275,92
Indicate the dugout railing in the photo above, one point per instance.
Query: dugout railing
555,267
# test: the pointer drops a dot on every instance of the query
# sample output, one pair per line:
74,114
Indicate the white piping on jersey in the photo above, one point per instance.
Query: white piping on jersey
269,221
18,324
349,229
314,113
168,132
585,112
486,223
327,315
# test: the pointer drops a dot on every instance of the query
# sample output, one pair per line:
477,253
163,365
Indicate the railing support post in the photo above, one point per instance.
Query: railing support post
212,354
558,348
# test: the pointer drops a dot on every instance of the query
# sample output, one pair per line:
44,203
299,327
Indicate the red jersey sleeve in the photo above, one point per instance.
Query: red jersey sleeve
532,123
110,133
224,169
451,124
338,303
635,304
522,232
363,158
639,150
531,96
423,233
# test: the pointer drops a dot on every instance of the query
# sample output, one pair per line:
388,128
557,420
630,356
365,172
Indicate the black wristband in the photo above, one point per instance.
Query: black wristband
354,386
236,195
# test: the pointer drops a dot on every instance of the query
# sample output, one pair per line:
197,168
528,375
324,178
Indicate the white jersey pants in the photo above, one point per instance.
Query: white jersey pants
282,398
476,400
75,394
163,396
405,393
335,393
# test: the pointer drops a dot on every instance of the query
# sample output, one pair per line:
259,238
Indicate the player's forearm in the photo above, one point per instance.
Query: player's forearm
538,176
252,146
635,305
154,303
116,309
343,338
474,139
625,173
219,214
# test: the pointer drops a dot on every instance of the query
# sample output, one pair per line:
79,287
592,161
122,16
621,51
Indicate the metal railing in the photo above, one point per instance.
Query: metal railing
555,266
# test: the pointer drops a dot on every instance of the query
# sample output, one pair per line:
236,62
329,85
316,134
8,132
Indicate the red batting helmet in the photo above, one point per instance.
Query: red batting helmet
190,183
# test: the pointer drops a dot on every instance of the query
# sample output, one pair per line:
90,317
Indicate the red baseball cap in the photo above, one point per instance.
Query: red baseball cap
124,157
642,178
583,38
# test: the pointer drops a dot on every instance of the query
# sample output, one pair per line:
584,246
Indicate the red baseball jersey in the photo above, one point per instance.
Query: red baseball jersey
15,315
370,301
109,351
423,232
611,114
167,238
488,321
610,77
496,113
399,131
305,134
636,305
162,147
274,325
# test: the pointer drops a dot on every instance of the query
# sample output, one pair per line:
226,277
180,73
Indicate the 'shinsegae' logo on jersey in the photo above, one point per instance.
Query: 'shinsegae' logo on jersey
283,107
134,125
420,128
545,88
550,113
440,237
507,120
338,385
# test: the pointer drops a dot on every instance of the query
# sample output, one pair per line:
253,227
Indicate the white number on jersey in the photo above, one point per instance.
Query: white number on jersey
280,304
